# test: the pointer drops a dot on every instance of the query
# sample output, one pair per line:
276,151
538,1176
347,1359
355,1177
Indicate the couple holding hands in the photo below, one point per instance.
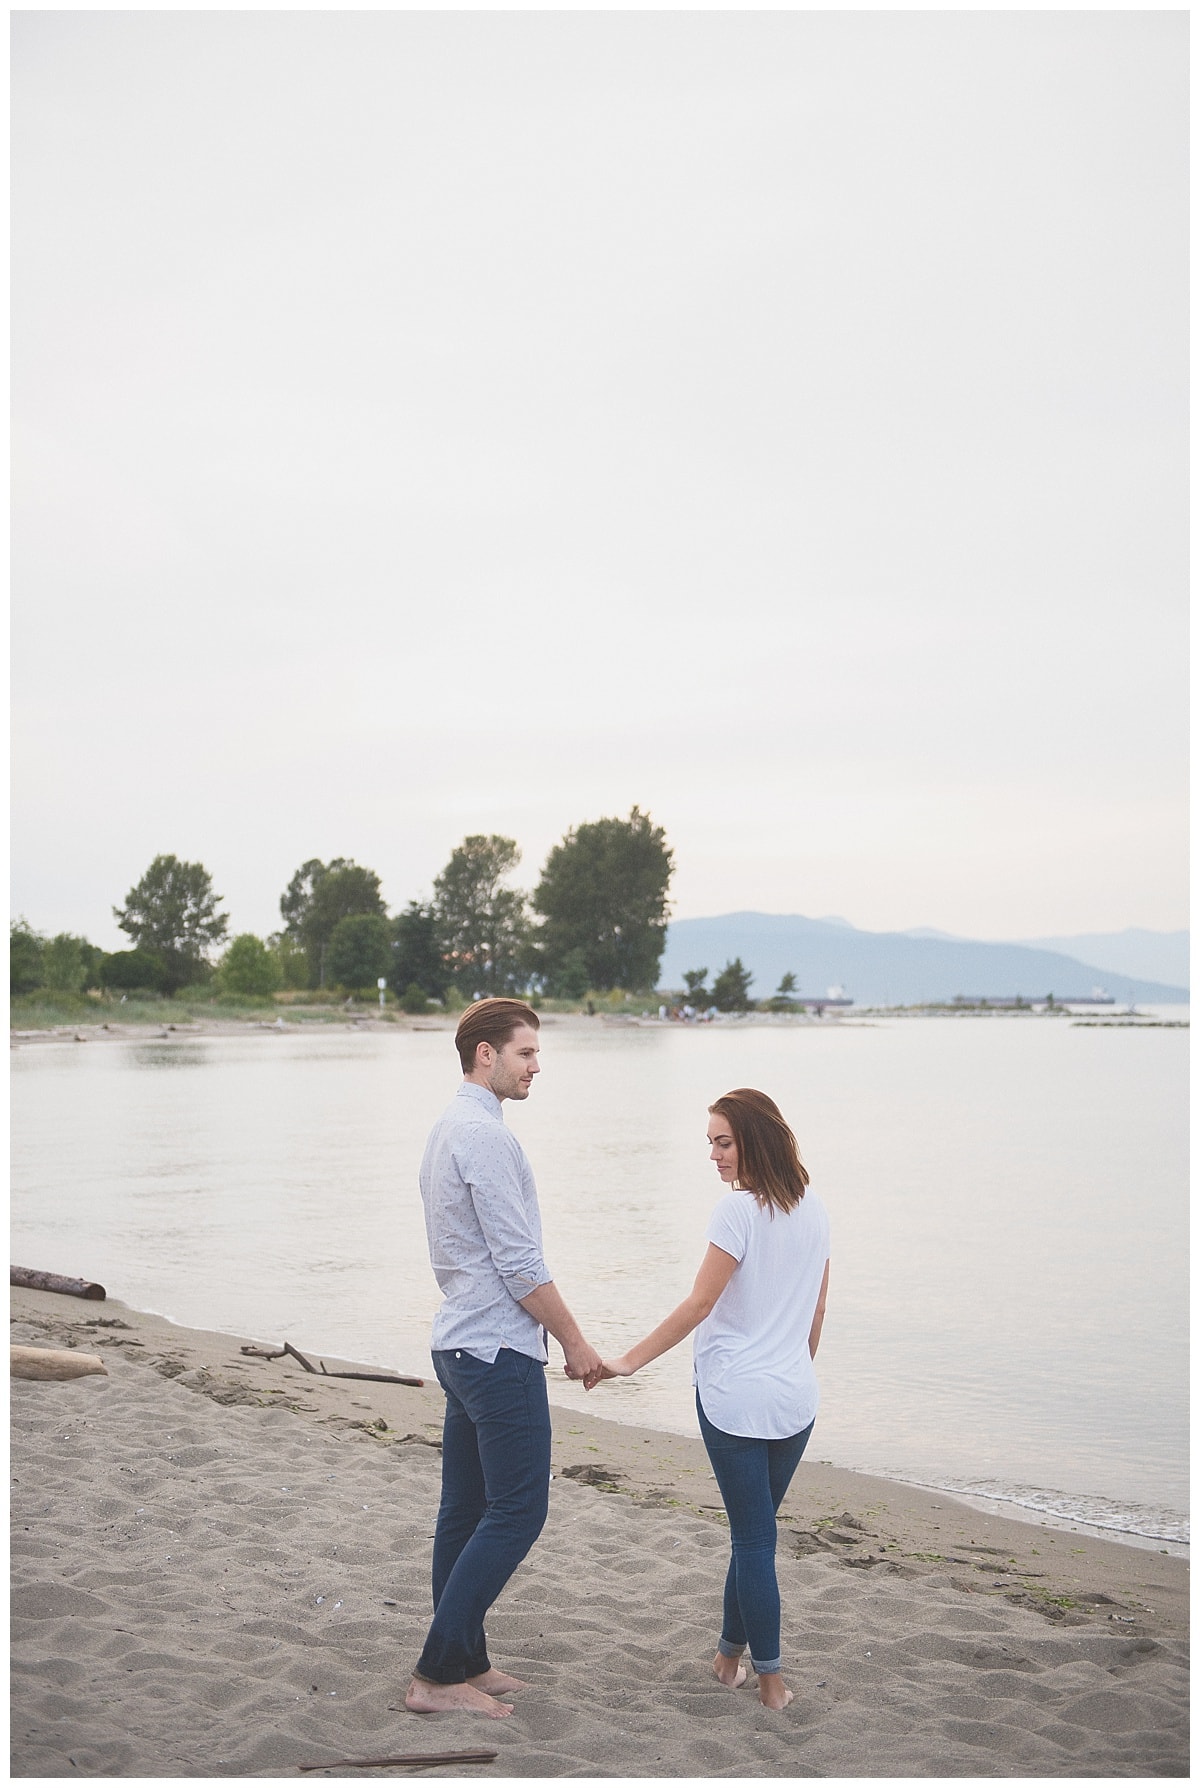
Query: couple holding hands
757,1307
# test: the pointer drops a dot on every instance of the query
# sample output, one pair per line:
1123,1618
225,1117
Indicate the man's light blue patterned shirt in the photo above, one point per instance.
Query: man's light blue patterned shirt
484,1229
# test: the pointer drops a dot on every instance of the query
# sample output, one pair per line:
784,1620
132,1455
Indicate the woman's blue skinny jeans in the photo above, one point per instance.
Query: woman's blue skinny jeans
752,1476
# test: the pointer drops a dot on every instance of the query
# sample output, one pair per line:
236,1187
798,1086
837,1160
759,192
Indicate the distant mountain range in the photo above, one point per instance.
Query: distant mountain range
907,968
1154,955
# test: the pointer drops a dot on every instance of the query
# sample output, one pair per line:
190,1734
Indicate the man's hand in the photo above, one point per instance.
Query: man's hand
582,1361
546,1306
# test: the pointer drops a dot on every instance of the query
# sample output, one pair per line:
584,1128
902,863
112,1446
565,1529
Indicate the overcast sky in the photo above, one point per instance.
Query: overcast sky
433,423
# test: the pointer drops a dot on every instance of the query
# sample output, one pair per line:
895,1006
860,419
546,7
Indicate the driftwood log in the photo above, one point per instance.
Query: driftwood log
409,1757
54,1362
32,1280
277,1353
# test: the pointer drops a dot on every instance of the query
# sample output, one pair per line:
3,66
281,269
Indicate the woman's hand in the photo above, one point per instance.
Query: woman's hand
610,1369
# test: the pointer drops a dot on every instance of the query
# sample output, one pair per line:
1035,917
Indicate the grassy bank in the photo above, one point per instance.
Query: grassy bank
47,1011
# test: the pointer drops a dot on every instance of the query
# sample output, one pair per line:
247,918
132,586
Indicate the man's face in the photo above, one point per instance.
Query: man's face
513,1066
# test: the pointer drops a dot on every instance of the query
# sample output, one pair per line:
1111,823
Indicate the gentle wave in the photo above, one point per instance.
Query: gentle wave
1138,1520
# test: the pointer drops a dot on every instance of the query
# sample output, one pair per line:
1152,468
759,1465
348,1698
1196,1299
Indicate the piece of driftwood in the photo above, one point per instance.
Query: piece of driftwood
409,1757
277,1353
33,1280
374,1377
54,1362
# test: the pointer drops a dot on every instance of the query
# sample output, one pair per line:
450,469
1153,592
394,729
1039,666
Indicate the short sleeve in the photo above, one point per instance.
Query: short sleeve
729,1225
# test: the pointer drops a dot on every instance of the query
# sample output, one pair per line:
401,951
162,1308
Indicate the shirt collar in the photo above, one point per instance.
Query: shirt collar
482,1095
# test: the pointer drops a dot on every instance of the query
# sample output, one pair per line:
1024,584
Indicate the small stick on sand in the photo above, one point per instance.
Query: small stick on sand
411,1757
373,1377
263,1353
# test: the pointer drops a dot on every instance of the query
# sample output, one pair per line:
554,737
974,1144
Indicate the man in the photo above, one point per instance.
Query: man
489,1353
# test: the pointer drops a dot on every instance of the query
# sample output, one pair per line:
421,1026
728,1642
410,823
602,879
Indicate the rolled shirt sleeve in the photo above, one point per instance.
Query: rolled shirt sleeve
497,1173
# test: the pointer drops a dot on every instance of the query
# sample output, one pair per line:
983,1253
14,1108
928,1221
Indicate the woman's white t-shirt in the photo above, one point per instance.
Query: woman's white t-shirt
752,1366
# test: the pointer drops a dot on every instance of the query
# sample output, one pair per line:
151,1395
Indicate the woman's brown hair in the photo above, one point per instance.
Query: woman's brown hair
769,1163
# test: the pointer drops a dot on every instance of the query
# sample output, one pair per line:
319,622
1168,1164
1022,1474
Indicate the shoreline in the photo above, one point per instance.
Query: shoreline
1025,1514
221,1567
89,1027
981,1501
647,1464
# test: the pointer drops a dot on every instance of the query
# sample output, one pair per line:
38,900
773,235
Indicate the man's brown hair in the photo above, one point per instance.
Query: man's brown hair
490,1021
769,1163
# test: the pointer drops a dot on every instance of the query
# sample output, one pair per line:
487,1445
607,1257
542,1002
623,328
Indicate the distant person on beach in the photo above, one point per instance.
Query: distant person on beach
489,1353
757,1308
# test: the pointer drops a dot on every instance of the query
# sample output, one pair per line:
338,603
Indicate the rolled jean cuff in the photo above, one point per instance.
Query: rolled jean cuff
728,1649
771,1669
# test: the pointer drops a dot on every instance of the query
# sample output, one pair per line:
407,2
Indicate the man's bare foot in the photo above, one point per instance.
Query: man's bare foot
730,1671
773,1693
497,1682
452,1697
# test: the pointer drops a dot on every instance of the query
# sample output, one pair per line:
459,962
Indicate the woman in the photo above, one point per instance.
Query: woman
757,1307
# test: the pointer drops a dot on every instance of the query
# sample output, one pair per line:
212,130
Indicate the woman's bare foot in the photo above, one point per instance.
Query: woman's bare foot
452,1697
773,1692
497,1682
729,1671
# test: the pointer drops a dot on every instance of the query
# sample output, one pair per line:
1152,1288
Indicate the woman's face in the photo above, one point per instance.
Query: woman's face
722,1148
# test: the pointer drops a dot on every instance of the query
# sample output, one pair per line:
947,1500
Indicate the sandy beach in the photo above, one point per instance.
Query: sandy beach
220,1567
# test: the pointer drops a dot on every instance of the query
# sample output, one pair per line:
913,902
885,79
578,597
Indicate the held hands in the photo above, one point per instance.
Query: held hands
609,1369
584,1363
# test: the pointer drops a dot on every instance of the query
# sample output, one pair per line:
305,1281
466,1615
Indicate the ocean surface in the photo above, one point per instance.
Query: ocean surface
1008,1198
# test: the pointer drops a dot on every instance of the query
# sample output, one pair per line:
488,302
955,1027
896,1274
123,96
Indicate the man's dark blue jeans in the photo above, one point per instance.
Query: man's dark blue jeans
495,1494
752,1476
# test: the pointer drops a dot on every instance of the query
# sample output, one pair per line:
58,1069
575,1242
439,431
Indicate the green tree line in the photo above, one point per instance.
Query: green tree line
730,991
595,920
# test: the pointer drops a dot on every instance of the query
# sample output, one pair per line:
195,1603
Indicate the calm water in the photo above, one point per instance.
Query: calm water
1008,1197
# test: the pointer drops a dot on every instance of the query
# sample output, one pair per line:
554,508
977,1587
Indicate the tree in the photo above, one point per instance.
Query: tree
296,898
603,892
567,979
784,997
318,897
249,967
482,926
173,912
292,958
731,989
25,948
360,950
70,964
693,981
417,959
132,971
